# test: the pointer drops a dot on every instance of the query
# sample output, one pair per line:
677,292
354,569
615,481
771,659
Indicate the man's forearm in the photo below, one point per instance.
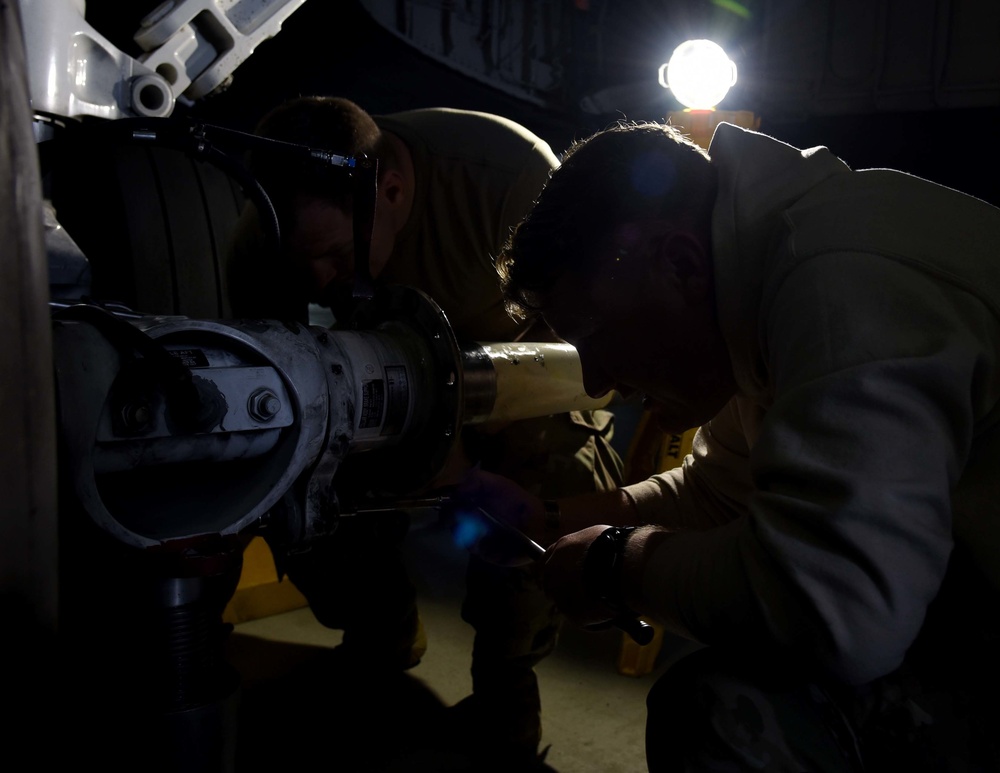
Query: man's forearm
614,508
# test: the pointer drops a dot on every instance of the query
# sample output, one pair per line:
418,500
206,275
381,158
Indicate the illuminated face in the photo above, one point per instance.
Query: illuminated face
321,245
644,324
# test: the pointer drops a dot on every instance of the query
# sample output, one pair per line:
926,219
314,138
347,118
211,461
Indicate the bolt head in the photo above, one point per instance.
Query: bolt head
263,405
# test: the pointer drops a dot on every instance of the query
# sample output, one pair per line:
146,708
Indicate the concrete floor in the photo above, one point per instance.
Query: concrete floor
299,712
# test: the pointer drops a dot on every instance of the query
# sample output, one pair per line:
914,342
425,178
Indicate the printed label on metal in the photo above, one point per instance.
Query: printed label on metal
192,358
372,403
399,399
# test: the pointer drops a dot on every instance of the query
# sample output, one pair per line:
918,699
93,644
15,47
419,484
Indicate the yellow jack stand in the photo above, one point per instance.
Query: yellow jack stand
260,593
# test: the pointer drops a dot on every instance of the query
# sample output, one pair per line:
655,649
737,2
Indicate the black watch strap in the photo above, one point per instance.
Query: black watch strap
602,566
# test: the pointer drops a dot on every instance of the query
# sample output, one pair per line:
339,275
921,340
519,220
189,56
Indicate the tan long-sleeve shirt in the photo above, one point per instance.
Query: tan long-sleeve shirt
851,491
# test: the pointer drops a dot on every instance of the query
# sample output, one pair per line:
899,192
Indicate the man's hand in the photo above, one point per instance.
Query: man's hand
562,566
563,578
503,500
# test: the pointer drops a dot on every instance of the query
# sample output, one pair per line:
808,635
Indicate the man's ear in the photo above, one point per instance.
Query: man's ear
392,188
685,262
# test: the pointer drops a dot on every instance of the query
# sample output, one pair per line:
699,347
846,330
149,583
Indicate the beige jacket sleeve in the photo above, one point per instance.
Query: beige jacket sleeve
712,487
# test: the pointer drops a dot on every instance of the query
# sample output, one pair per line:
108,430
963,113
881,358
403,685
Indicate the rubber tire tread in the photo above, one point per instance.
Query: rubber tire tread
154,223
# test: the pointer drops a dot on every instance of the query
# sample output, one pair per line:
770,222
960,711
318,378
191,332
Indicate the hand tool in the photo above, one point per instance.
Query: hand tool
637,629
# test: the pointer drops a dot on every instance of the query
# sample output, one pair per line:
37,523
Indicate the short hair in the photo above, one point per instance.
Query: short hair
333,124
630,171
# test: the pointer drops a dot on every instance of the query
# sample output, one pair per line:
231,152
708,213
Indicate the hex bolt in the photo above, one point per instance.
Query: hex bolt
263,404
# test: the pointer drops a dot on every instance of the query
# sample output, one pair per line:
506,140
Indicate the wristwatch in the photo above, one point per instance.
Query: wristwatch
602,566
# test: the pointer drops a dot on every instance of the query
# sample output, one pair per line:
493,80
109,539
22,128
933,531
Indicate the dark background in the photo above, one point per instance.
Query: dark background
930,106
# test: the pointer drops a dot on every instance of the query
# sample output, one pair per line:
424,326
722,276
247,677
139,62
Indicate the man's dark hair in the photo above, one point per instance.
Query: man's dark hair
333,124
628,172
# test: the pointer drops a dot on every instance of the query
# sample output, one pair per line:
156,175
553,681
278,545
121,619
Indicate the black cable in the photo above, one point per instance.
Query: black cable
193,138
201,140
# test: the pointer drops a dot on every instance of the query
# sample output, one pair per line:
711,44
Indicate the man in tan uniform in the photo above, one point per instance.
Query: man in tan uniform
452,184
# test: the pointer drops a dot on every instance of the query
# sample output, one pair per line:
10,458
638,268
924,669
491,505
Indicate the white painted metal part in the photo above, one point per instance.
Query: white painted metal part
192,47
537,379
199,43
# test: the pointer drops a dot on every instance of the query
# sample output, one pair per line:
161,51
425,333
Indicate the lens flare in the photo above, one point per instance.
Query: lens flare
468,529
